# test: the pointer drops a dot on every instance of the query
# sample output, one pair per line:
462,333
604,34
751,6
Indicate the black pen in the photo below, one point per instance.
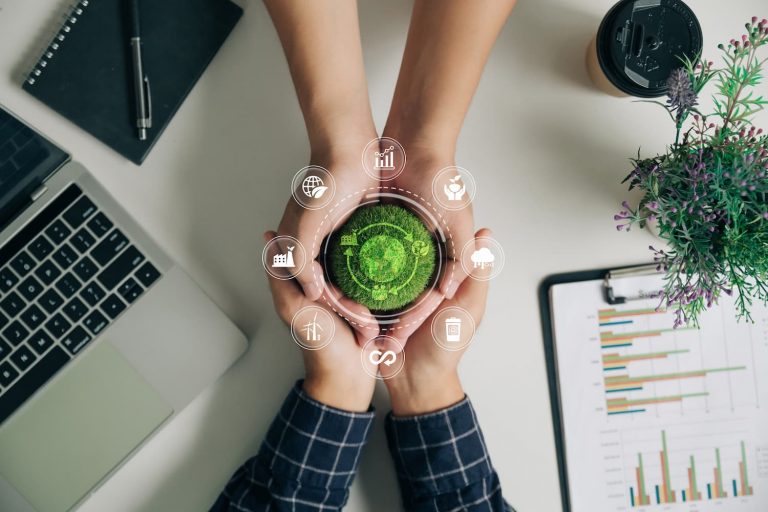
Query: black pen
142,95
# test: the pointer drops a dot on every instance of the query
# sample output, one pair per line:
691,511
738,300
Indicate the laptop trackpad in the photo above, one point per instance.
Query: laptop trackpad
79,429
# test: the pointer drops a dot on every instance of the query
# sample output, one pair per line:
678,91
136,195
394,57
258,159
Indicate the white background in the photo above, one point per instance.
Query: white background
548,153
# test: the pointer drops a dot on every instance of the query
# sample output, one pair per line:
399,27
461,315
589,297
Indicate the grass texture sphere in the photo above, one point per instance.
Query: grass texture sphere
383,257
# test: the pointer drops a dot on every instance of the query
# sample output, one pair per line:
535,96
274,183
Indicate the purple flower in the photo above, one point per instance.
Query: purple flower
680,94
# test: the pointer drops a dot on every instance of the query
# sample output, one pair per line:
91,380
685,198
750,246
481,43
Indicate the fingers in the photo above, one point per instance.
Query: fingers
472,293
364,325
410,321
461,225
286,296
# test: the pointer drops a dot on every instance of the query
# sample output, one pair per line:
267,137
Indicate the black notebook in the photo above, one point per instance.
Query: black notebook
86,73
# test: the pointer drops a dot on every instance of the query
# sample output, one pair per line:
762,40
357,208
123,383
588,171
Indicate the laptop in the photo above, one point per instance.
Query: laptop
103,338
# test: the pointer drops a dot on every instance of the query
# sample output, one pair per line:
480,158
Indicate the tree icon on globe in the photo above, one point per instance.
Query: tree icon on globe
313,186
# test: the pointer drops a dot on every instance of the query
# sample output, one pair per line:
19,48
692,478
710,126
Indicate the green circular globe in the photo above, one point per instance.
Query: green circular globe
383,257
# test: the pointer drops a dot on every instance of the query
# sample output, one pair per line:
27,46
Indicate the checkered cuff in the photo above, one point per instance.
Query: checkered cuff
313,443
306,462
442,462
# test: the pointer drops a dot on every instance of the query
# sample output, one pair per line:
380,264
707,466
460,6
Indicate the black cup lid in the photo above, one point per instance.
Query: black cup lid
640,43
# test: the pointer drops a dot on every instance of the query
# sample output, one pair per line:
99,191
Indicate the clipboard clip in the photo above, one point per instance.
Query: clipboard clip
622,285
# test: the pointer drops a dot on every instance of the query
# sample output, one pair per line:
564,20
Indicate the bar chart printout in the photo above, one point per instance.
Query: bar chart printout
646,363
645,492
656,418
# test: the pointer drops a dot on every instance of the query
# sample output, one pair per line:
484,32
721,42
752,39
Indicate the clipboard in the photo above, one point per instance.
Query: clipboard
613,294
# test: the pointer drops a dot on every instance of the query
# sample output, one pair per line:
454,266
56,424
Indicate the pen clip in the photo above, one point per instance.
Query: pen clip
148,97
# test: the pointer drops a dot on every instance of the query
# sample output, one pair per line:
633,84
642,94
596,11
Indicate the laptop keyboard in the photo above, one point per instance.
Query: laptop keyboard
63,279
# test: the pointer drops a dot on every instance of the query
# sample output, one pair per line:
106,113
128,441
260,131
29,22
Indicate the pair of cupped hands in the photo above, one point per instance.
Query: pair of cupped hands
335,374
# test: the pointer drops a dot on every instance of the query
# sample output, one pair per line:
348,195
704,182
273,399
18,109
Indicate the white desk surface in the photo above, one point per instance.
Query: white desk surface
547,150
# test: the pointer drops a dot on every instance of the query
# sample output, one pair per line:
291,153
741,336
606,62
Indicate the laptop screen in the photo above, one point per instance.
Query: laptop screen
26,160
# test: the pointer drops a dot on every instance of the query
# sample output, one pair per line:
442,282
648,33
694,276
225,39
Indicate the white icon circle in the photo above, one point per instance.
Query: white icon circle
283,257
453,328
313,187
382,357
312,328
384,159
453,188
482,258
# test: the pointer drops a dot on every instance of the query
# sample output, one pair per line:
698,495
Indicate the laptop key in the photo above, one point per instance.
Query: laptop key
47,272
130,290
57,325
15,333
23,358
95,322
7,374
65,256
147,274
79,212
86,269
119,269
76,340
40,248
110,247
33,317
30,288
5,349
75,309
92,293
82,240
68,285
12,304
113,306
100,225
58,232
38,224
51,301
23,263
7,279
3,320
40,342
30,382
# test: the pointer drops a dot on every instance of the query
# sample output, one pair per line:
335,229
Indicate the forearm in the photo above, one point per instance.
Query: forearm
448,45
321,40
442,461
309,457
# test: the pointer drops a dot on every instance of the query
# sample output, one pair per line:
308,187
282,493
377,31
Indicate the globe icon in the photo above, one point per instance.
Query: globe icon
309,184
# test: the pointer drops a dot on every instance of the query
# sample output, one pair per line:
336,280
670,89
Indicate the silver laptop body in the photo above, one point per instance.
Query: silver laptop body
111,378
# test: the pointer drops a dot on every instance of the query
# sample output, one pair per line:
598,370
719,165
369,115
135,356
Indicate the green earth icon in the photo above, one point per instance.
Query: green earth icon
383,257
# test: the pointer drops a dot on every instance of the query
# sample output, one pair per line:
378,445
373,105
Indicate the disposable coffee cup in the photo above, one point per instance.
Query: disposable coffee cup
639,44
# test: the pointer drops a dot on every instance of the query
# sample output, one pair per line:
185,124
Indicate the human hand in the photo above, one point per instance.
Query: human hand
429,380
310,227
334,373
422,165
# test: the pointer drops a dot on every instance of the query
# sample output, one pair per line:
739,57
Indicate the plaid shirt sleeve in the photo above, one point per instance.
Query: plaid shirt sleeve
306,463
442,462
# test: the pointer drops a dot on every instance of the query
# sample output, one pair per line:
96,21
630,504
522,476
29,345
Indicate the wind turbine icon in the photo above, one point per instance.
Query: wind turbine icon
312,329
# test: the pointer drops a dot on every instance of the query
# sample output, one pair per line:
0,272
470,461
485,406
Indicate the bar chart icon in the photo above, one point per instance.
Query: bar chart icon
385,161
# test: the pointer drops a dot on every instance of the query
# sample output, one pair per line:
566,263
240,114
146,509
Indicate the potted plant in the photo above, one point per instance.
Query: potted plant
708,194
